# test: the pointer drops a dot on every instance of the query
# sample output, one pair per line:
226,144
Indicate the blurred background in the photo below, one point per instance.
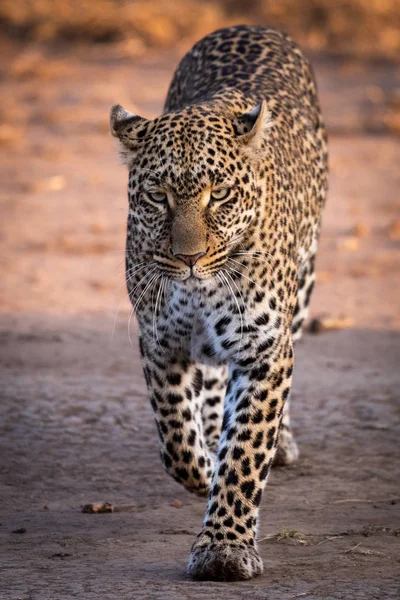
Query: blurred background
65,62
362,28
75,421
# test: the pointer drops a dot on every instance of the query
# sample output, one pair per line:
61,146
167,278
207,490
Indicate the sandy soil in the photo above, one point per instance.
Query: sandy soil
75,423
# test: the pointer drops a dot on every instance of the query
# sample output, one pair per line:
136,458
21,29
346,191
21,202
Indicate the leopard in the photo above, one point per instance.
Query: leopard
225,191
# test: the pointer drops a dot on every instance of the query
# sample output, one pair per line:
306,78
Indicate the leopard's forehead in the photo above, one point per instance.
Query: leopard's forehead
189,150
194,121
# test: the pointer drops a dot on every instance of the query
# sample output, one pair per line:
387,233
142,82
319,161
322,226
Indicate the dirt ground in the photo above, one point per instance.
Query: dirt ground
75,422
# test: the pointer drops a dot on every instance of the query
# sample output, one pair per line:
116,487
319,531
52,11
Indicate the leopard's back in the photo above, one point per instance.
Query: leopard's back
245,65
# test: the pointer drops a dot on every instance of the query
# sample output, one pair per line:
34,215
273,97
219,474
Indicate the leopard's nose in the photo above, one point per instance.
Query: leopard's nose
190,259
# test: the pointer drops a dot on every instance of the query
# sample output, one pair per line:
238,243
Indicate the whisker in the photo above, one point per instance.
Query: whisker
133,272
248,278
128,296
129,326
152,306
235,240
222,273
227,274
240,264
130,272
137,268
100,285
142,294
165,296
136,305
155,316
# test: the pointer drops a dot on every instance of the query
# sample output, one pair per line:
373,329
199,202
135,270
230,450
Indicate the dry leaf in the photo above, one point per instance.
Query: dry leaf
98,507
328,324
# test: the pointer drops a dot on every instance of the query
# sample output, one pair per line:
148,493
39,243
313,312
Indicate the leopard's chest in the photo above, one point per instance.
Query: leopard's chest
185,320
211,324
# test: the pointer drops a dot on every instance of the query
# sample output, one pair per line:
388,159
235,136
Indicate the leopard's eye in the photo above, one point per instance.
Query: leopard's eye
220,194
157,196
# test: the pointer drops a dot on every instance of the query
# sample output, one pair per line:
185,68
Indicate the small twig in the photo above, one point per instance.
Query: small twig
351,549
329,539
107,507
269,537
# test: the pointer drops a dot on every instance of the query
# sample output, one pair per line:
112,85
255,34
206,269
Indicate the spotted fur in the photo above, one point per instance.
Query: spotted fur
226,189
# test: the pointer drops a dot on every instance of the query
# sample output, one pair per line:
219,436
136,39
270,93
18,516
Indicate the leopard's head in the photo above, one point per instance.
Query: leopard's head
192,184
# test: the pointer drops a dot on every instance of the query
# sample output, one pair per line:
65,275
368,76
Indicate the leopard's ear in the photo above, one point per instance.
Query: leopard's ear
129,128
252,129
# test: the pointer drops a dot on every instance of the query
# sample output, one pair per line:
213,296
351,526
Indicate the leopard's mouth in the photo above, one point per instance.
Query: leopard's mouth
193,276
175,269
206,267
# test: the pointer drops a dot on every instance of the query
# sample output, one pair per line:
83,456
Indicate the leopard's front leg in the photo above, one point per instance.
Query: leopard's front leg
226,548
214,391
175,387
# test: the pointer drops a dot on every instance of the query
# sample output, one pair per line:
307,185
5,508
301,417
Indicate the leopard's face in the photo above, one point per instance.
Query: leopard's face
192,191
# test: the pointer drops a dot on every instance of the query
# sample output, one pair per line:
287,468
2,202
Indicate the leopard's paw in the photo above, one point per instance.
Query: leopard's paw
287,452
224,562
